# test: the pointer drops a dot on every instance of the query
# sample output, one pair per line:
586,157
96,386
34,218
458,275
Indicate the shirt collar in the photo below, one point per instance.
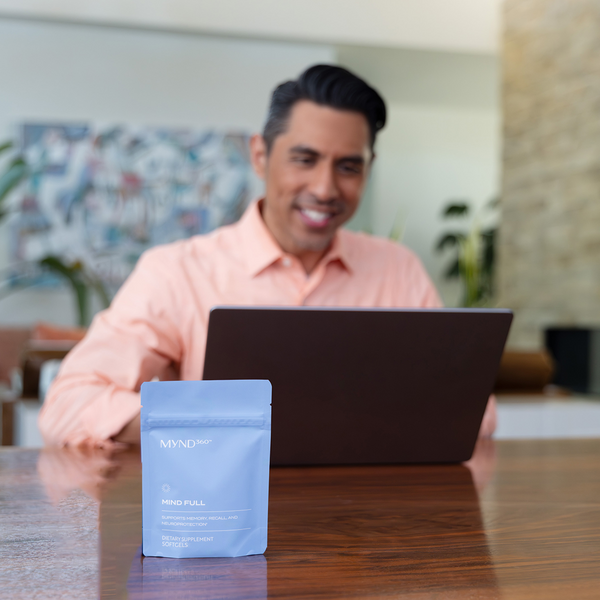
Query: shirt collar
340,251
261,250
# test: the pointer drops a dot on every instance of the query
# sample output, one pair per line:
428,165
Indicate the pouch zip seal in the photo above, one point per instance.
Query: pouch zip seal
151,423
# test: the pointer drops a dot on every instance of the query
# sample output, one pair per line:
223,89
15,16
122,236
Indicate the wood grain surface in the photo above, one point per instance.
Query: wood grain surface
521,520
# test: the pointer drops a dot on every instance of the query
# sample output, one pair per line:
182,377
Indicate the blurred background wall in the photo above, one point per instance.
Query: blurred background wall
65,72
487,99
441,142
214,64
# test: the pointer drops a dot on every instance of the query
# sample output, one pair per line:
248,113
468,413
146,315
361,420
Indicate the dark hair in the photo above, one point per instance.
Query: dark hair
326,85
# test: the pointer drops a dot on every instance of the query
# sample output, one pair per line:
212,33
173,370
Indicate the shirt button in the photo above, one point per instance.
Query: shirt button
286,262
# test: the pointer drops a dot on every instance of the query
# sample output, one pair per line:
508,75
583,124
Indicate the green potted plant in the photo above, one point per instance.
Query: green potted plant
472,251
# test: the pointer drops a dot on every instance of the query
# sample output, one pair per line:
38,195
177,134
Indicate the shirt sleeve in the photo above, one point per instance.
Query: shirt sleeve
431,298
96,392
414,287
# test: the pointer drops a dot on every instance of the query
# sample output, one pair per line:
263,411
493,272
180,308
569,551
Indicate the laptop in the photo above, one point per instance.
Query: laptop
364,386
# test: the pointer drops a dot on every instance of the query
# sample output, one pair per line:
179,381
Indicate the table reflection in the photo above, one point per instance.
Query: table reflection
333,532
201,578
63,470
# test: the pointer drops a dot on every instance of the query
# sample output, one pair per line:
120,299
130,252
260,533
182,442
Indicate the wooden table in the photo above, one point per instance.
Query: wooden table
523,521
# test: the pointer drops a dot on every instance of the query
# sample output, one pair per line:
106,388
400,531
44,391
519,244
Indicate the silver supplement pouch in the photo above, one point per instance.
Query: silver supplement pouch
205,467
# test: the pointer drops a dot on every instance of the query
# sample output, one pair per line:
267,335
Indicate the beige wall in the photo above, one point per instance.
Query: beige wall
550,237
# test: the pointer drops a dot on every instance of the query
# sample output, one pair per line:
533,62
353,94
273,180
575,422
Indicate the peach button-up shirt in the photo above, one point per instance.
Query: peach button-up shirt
158,321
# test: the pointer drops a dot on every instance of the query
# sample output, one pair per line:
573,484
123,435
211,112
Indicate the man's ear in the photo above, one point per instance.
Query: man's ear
258,154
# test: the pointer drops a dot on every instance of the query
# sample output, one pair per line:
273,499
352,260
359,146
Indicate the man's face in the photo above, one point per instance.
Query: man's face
314,175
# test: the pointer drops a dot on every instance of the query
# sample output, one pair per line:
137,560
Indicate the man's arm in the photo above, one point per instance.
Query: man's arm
130,434
95,398
490,419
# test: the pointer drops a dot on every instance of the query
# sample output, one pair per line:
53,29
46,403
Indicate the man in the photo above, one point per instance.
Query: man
288,249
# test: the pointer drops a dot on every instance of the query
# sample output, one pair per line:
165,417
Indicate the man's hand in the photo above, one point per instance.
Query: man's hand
490,419
130,434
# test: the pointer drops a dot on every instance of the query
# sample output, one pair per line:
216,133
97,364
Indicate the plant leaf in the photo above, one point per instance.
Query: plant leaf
6,146
73,275
16,172
456,209
449,240
453,271
98,286
54,263
489,251
397,228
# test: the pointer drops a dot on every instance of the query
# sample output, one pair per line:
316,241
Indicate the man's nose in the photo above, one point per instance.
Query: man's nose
323,185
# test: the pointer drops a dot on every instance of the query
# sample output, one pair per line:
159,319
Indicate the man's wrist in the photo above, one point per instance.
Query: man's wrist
130,434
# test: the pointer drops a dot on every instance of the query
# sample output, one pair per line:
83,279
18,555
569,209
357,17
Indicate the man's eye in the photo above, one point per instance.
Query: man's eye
350,169
303,160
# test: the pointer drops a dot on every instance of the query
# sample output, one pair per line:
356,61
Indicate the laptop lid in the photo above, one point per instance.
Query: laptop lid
364,386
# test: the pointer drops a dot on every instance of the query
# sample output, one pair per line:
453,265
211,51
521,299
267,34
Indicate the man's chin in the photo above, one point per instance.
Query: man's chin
315,242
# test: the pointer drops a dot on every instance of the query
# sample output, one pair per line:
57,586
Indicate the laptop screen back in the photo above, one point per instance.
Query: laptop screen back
358,386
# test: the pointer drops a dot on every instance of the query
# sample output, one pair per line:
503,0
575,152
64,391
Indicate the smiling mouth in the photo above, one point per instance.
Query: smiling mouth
315,218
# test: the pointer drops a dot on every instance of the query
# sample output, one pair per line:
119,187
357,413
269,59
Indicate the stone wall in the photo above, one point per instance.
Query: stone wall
549,243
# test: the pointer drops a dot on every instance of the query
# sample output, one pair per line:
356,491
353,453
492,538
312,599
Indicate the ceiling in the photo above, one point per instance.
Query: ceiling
470,26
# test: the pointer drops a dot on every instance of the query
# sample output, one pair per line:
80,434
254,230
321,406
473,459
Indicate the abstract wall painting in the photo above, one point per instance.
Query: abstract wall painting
104,194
